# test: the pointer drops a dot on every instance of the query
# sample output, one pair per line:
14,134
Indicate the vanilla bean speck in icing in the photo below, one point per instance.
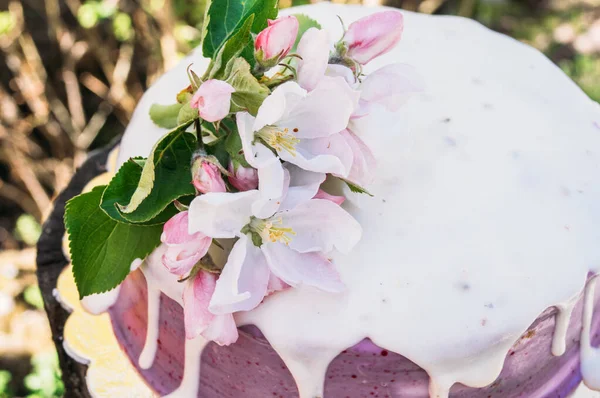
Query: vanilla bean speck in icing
485,216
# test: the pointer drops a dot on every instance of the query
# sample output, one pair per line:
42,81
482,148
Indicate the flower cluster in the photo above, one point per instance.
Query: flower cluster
256,137
283,223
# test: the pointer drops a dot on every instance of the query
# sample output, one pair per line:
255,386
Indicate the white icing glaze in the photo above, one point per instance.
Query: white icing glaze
98,303
151,344
563,317
485,212
193,357
590,356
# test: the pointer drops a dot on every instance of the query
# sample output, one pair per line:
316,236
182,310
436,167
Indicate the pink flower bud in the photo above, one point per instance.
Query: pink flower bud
277,39
213,100
373,35
183,250
243,178
207,177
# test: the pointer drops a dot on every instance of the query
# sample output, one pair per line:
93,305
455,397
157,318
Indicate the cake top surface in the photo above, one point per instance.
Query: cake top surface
485,209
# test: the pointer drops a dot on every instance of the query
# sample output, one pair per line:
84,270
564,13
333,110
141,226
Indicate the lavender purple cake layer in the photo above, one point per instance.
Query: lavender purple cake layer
251,368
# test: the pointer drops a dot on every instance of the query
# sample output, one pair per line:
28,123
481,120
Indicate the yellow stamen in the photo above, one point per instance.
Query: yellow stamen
272,230
279,139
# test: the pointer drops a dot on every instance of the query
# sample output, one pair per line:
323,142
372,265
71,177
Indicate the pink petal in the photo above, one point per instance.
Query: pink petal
196,296
276,284
222,330
207,177
374,35
243,178
364,164
312,269
338,200
213,100
278,38
183,250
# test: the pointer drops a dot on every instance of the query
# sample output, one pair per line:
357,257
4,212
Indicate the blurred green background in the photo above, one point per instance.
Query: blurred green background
71,72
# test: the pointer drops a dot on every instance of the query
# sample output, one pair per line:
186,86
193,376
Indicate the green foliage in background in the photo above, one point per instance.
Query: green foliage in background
43,382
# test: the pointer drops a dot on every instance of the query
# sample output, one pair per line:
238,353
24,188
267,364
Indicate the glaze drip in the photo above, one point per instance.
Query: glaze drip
150,346
590,356
193,358
563,317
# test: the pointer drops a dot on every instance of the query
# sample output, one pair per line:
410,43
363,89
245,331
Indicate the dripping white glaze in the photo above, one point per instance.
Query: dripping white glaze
486,209
98,303
590,356
193,358
562,320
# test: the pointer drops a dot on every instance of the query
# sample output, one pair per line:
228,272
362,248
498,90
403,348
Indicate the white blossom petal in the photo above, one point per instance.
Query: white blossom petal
321,225
313,48
312,269
322,155
272,184
221,214
277,105
324,111
243,282
256,154
303,186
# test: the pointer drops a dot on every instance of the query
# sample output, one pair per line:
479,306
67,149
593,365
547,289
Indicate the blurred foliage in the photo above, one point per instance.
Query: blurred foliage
44,381
27,229
33,296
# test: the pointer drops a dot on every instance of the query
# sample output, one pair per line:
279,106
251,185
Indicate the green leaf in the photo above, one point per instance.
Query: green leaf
232,49
165,116
356,188
103,249
249,93
233,146
187,114
165,177
121,188
305,23
225,17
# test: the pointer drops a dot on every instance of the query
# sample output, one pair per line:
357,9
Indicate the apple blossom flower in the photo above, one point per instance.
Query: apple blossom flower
303,128
275,41
198,320
183,250
243,178
213,100
292,243
373,35
206,175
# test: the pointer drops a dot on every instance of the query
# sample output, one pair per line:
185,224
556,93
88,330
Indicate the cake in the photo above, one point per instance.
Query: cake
476,269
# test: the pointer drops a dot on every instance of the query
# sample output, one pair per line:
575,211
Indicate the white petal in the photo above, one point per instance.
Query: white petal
322,155
314,50
221,214
256,154
391,86
303,186
295,268
326,110
276,106
334,70
272,184
243,282
321,225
